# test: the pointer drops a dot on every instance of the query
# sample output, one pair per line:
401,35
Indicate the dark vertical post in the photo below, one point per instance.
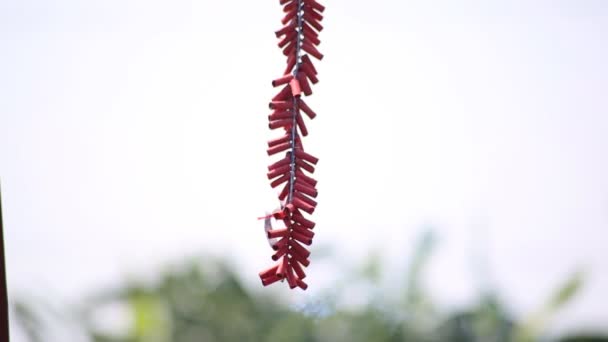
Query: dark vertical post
3,291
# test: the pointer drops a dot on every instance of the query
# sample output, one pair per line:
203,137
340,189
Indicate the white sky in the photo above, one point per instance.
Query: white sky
133,132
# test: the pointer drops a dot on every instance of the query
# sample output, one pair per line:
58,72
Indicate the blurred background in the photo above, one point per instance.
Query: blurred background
463,189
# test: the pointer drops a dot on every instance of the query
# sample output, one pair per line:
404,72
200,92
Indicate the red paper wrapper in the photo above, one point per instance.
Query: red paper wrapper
281,243
283,95
305,198
311,49
302,181
313,21
279,181
306,60
304,107
304,165
305,189
300,258
279,171
289,18
299,249
290,48
303,155
278,148
301,125
291,278
281,162
314,14
277,233
271,279
300,204
294,84
290,208
303,221
282,80
301,238
315,5
269,272
301,230
301,284
283,194
302,25
280,114
305,178
289,38
280,123
308,69
291,63
298,140
314,40
280,252
298,270
309,74
310,35
282,269
280,105
304,84
291,6
278,141
308,28
280,214
286,29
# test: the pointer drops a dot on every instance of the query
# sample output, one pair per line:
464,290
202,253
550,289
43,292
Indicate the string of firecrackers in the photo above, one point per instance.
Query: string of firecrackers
298,40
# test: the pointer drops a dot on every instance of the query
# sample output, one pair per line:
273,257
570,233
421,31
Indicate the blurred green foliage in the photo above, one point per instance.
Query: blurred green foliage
207,302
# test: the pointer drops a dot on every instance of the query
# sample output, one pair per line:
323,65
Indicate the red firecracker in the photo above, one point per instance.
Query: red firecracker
292,172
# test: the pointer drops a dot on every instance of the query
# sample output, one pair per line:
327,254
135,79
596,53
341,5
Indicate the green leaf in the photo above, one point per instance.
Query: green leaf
531,328
566,291
150,320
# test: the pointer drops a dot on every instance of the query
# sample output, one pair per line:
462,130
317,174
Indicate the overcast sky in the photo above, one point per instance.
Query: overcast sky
134,132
